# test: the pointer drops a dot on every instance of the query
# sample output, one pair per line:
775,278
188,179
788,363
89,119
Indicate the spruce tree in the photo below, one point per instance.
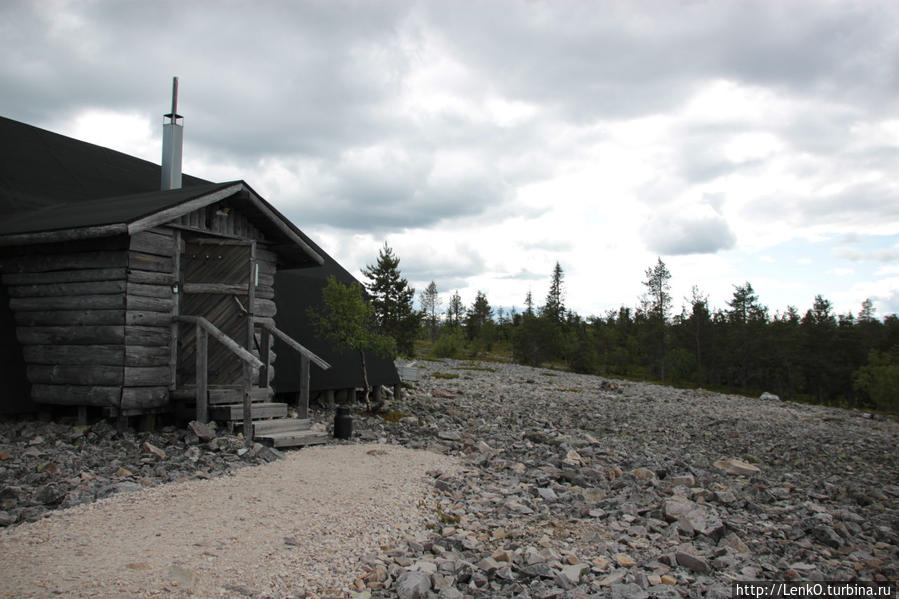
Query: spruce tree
554,310
391,298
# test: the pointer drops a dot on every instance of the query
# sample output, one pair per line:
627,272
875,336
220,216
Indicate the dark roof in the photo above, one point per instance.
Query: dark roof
39,168
103,211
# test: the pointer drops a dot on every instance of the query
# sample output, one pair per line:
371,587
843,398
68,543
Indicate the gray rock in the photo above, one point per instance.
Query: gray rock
201,430
413,585
692,562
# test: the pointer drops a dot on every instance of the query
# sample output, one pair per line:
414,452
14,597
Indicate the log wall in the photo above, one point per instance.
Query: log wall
69,305
93,317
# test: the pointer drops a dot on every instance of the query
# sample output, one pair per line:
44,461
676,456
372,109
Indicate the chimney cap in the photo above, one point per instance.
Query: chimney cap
174,113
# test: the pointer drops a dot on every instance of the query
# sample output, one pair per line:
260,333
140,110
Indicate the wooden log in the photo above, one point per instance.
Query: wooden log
136,355
150,242
72,317
75,395
78,302
219,288
114,243
81,233
74,375
141,335
77,335
142,261
247,404
152,278
67,289
149,304
158,319
64,276
145,376
138,289
303,405
61,262
266,293
265,358
266,256
266,308
202,342
144,397
398,391
107,355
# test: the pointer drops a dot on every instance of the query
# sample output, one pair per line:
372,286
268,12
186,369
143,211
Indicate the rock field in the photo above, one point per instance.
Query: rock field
580,486
572,485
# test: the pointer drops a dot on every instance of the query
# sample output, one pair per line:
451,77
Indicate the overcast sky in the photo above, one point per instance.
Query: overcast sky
484,141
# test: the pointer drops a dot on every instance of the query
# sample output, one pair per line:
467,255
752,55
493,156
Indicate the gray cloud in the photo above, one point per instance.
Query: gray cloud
678,234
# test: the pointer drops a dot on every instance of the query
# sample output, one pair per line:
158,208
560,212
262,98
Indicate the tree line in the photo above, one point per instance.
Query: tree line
819,356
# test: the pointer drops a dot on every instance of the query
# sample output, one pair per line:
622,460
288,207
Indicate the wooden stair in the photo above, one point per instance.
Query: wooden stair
287,432
271,422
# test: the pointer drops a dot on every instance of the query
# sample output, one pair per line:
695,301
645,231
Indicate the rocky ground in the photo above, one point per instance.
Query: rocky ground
47,465
572,486
579,486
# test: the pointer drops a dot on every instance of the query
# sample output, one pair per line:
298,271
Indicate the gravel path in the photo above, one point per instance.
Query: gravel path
283,529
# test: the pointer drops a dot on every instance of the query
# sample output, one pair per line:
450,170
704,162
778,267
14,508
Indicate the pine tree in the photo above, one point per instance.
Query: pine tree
391,298
657,302
455,310
430,306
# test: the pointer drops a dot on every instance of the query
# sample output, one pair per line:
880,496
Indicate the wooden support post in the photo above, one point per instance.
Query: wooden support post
329,399
378,395
303,403
248,404
202,375
148,422
266,357
82,415
398,391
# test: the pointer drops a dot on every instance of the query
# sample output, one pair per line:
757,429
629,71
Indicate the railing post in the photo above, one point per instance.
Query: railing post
266,357
202,374
303,405
248,403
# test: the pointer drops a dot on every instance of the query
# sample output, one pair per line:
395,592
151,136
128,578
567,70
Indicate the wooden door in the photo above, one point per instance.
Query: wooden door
217,284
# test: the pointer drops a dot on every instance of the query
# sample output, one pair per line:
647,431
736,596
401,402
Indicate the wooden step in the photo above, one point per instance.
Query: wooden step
260,411
280,425
223,395
293,438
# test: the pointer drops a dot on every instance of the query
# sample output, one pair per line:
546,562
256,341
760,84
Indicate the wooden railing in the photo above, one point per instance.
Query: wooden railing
252,364
306,357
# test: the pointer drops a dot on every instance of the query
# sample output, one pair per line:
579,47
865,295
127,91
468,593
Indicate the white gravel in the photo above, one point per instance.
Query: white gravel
297,525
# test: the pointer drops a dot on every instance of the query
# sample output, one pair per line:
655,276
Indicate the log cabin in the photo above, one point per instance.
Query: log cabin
132,297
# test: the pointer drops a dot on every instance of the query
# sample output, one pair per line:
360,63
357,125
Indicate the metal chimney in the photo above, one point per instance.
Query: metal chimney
172,138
